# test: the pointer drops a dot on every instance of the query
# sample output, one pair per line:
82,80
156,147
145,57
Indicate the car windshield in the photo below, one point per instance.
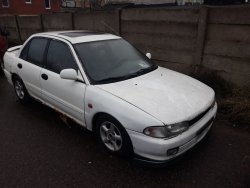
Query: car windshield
112,60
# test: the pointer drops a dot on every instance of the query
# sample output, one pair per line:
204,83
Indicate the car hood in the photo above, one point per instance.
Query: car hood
169,96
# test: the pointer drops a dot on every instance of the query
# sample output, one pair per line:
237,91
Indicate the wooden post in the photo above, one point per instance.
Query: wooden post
18,31
201,35
41,22
118,20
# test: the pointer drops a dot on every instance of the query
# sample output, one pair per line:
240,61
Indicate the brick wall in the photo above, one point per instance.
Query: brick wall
36,7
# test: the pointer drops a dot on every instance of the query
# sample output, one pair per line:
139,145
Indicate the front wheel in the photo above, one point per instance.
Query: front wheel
112,136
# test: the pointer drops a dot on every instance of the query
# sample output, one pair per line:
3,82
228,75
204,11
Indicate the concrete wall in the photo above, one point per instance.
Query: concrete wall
217,38
28,25
57,22
98,21
9,23
168,34
227,45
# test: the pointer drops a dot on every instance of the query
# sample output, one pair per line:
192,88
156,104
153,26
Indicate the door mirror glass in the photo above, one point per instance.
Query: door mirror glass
69,74
148,55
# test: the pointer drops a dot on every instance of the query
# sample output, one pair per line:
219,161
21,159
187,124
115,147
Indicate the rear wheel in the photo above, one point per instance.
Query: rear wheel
20,90
1,66
112,136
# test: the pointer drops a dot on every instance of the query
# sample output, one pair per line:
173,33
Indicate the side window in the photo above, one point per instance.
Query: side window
59,57
24,52
36,51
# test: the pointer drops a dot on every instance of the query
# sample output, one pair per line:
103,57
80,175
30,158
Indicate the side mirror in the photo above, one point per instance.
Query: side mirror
5,33
69,74
148,55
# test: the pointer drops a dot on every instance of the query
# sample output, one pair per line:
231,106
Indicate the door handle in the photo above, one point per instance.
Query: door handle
20,65
44,76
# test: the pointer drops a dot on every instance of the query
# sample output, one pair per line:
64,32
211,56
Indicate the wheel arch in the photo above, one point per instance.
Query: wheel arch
99,114
94,124
13,76
94,120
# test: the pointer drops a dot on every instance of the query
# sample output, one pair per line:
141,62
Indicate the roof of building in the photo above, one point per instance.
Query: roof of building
80,36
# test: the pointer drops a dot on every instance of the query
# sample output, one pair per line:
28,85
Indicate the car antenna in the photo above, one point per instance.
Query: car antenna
110,28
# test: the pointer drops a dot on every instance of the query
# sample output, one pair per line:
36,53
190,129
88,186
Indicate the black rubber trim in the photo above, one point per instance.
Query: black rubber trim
197,118
199,132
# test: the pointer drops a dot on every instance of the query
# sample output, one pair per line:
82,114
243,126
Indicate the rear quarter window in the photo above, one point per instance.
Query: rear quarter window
24,52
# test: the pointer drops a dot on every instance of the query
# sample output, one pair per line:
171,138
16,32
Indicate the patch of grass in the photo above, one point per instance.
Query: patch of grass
236,107
233,102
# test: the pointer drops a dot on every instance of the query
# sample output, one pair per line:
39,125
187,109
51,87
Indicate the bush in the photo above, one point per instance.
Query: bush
233,102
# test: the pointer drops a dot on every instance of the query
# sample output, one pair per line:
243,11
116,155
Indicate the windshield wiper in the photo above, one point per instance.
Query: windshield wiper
111,79
141,71
119,78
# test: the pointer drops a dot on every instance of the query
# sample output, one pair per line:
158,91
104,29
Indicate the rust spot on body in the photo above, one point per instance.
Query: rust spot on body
63,116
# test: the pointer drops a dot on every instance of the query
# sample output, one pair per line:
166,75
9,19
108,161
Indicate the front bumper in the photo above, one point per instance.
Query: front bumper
154,150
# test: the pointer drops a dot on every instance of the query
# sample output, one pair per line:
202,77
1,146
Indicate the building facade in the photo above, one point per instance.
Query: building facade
139,2
29,7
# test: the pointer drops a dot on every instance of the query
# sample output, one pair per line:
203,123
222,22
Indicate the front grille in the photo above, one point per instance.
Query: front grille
189,144
193,121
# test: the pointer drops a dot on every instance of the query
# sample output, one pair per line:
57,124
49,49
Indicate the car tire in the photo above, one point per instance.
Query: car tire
112,136
20,90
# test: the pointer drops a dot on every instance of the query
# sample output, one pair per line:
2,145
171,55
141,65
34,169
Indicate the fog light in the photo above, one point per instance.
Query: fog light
172,151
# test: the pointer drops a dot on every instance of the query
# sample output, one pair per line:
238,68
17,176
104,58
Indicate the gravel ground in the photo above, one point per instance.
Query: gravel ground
38,150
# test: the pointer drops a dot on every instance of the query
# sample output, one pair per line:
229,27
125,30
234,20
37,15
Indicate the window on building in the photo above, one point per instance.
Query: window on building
28,1
47,4
5,3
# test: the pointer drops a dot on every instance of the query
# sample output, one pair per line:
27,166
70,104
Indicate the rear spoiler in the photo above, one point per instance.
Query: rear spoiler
14,48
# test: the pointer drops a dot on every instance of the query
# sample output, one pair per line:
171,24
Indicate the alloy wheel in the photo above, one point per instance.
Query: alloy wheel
111,136
19,89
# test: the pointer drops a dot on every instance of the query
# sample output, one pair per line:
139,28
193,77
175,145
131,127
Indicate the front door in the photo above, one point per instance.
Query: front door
65,95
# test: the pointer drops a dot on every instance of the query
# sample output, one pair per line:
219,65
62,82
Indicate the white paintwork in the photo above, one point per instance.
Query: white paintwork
169,96
158,98
127,114
149,55
69,74
66,95
14,48
30,75
159,147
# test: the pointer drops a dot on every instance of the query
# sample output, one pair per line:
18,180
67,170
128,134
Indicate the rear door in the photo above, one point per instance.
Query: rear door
30,65
64,95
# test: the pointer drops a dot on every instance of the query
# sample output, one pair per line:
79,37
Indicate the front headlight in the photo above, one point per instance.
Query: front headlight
168,131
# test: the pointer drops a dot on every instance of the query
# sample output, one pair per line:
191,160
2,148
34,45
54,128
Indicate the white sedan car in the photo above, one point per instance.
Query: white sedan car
106,85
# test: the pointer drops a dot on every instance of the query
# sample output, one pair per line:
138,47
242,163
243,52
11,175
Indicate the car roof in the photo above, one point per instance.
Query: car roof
80,36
